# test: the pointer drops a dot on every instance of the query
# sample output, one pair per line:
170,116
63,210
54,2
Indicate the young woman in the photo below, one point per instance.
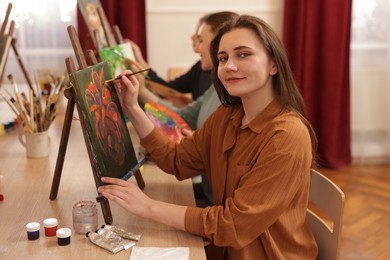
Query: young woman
257,150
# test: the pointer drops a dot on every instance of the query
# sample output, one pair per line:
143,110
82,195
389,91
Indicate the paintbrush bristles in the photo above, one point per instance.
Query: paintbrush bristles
11,79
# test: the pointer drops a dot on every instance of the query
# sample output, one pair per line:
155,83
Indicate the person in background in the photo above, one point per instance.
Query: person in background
257,148
197,112
195,81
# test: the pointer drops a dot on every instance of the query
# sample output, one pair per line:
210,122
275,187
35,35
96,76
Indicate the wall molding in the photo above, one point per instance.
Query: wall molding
207,6
181,11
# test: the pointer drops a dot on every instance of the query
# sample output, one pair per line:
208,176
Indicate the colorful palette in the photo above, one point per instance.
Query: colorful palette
168,121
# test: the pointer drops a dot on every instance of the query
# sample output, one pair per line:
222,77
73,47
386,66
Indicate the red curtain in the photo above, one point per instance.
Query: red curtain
128,15
317,38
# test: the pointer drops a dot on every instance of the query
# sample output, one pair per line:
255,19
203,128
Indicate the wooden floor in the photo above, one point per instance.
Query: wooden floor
366,224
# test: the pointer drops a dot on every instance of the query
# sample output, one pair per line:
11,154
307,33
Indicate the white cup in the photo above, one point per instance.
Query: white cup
37,144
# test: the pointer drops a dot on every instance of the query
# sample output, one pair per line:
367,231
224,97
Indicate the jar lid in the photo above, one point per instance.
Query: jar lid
33,226
50,222
84,203
63,232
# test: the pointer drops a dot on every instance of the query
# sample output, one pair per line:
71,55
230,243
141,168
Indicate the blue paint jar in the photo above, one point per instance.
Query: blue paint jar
33,230
63,236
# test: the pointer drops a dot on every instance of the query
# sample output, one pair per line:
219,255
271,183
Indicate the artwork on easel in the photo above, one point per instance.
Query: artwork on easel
104,120
119,57
95,21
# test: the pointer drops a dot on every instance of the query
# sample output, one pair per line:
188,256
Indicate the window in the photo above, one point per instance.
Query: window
370,80
41,35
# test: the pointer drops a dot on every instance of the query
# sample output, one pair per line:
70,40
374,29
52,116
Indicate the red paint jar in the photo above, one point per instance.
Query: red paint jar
51,225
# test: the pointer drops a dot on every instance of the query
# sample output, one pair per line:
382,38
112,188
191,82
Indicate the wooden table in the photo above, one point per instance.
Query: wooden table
26,188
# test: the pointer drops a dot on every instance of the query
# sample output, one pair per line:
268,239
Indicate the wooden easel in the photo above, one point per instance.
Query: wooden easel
13,44
70,95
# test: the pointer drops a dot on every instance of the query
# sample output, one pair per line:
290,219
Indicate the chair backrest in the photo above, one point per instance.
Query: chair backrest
329,198
174,72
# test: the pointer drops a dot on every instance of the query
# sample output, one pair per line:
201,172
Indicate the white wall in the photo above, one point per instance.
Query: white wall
170,24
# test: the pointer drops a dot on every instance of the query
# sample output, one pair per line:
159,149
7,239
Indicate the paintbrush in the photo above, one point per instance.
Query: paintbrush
38,88
25,101
23,114
134,169
32,113
127,75
38,113
11,98
60,83
10,103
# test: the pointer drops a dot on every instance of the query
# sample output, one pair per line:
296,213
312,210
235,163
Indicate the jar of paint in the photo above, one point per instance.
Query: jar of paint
63,236
51,225
85,217
33,230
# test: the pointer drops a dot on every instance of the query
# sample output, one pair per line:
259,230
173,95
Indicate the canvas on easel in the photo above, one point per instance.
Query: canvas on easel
104,120
96,22
107,139
119,57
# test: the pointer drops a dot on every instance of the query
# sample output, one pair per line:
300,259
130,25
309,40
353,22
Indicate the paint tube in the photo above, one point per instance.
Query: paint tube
109,240
123,233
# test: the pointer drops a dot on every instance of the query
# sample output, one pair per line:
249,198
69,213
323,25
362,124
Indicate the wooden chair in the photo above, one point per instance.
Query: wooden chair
174,72
329,199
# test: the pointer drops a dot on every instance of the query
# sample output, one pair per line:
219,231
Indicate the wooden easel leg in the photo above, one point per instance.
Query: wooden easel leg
140,179
106,210
13,43
63,143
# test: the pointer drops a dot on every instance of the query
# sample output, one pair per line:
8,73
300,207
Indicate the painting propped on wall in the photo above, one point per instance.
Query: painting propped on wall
104,121
119,57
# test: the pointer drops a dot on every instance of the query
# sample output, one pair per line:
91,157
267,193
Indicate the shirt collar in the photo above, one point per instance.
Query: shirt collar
257,124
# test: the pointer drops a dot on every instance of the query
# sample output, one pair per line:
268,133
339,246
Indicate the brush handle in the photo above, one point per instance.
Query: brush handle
127,75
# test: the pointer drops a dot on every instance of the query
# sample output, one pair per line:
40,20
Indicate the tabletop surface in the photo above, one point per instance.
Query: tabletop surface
26,189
